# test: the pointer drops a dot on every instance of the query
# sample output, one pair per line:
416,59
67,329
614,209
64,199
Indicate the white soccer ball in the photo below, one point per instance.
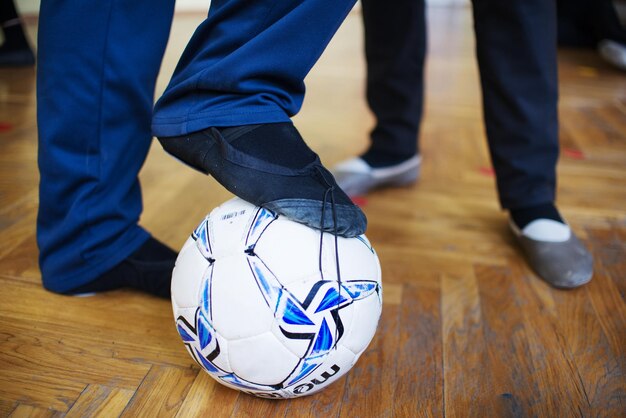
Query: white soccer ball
262,306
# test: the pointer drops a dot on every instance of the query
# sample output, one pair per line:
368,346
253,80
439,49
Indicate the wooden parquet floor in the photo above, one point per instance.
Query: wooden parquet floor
467,329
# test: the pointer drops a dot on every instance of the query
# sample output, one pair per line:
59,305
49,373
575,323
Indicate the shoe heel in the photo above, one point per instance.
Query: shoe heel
189,150
404,179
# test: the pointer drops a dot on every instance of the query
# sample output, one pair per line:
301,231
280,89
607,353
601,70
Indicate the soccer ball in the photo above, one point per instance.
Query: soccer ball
262,306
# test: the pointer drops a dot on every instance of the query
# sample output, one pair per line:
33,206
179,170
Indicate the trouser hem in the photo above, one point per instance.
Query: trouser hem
176,126
63,283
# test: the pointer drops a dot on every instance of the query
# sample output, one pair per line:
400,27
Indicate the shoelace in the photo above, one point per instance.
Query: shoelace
330,192
235,156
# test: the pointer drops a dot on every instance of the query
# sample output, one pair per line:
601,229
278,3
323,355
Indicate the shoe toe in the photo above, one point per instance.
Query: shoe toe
351,221
356,177
354,184
565,264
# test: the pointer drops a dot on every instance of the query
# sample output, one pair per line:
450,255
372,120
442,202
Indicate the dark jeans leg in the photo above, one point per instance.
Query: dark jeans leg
516,49
395,48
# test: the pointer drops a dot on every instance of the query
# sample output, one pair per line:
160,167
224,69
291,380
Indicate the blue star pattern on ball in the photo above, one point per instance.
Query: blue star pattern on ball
317,318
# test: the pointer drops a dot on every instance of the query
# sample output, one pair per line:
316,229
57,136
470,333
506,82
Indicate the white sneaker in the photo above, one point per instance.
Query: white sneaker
356,177
613,52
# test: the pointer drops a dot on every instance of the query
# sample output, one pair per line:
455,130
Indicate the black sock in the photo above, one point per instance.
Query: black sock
148,269
524,216
381,159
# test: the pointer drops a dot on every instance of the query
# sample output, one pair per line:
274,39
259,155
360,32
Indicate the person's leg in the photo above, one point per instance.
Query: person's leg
593,24
516,50
246,63
610,33
395,49
227,109
606,21
15,49
98,63
584,23
574,23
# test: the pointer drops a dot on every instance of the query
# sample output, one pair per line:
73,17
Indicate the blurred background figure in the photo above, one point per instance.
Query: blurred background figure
517,60
593,24
15,51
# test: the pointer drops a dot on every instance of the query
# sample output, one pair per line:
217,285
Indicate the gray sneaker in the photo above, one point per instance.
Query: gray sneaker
555,253
356,177
613,52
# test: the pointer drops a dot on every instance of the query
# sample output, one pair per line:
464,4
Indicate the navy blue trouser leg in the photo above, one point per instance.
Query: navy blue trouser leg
246,63
516,50
97,67
395,49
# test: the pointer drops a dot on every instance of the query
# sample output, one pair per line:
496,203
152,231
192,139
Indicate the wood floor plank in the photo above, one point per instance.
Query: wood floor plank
610,310
375,372
20,262
468,389
505,340
40,391
424,266
419,375
392,294
183,200
249,406
125,322
18,225
40,352
162,392
326,403
614,118
610,251
606,291
6,407
100,401
102,345
554,369
208,398
598,371
28,411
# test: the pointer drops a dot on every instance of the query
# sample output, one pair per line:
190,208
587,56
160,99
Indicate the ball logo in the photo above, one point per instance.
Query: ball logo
300,389
232,215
